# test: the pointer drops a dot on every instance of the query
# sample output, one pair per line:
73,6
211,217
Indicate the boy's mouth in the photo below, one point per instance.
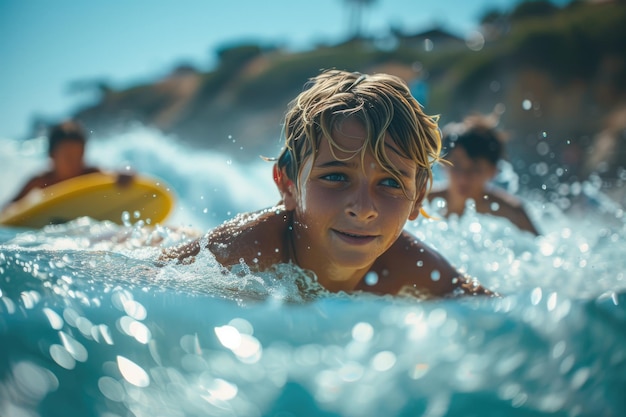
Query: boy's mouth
354,238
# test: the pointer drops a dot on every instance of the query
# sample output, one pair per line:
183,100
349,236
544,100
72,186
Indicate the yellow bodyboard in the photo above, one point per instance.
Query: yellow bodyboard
98,196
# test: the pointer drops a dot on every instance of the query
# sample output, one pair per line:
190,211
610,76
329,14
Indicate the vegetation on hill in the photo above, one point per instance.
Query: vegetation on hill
556,75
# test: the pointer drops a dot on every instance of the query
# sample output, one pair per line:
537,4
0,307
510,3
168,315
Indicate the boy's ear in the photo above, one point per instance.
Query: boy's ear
286,187
417,205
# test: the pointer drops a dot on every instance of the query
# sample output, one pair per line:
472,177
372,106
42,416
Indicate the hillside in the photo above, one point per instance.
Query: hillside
559,78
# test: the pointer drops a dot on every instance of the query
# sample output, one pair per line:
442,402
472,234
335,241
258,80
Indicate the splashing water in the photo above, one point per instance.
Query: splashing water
91,326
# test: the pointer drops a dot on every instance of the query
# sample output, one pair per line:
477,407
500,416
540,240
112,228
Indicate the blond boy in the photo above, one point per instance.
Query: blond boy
355,167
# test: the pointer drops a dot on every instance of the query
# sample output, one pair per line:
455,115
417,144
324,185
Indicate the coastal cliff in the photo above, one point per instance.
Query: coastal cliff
556,79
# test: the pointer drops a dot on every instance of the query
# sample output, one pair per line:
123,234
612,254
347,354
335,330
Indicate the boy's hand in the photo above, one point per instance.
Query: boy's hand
124,179
184,254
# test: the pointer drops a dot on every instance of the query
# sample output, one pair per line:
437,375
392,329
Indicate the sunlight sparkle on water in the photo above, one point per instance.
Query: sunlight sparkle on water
417,325
62,357
362,332
351,371
34,381
437,317
132,372
220,390
535,296
546,248
56,322
9,305
111,388
242,325
73,347
383,361
30,298
134,328
246,347
123,300
228,336
191,344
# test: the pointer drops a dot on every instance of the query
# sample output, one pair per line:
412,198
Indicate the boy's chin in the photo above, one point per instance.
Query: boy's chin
354,260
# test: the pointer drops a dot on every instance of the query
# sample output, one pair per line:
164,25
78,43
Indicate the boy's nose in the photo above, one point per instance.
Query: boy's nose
361,205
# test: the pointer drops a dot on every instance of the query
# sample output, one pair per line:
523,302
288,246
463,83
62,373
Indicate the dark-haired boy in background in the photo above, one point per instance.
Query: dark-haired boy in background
66,148
473,149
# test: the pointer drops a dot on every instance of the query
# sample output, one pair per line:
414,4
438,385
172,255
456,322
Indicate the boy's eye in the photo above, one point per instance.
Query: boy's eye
334,177
390,182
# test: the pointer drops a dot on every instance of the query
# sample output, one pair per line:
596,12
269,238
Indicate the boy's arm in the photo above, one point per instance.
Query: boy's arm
256,238
523,222
182,254
36,182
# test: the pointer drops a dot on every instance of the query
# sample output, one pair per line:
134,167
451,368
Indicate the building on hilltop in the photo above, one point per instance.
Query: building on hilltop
428,40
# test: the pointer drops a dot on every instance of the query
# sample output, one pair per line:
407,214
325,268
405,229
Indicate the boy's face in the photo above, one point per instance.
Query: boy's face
468,176
348,213
67,158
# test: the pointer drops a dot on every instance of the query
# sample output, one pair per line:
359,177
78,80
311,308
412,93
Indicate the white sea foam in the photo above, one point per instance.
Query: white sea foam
85,312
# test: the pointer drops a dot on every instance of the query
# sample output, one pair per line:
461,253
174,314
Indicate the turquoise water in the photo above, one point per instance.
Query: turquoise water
90,326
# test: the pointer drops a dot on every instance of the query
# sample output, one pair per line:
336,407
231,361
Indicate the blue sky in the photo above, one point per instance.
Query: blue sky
46,44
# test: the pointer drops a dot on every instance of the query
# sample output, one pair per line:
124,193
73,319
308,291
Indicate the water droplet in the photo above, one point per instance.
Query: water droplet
371,278
435,275
475,41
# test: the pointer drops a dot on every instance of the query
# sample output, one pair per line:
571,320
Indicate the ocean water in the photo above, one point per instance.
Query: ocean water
91,326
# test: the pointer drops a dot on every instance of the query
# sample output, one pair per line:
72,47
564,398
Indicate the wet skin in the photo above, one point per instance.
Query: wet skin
348,212
469,179
343,220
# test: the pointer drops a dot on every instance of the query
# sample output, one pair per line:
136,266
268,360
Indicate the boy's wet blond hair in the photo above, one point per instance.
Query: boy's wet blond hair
382,103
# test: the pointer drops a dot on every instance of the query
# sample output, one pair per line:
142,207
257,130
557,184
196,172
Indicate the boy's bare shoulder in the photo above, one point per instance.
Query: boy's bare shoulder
257,238
414,267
